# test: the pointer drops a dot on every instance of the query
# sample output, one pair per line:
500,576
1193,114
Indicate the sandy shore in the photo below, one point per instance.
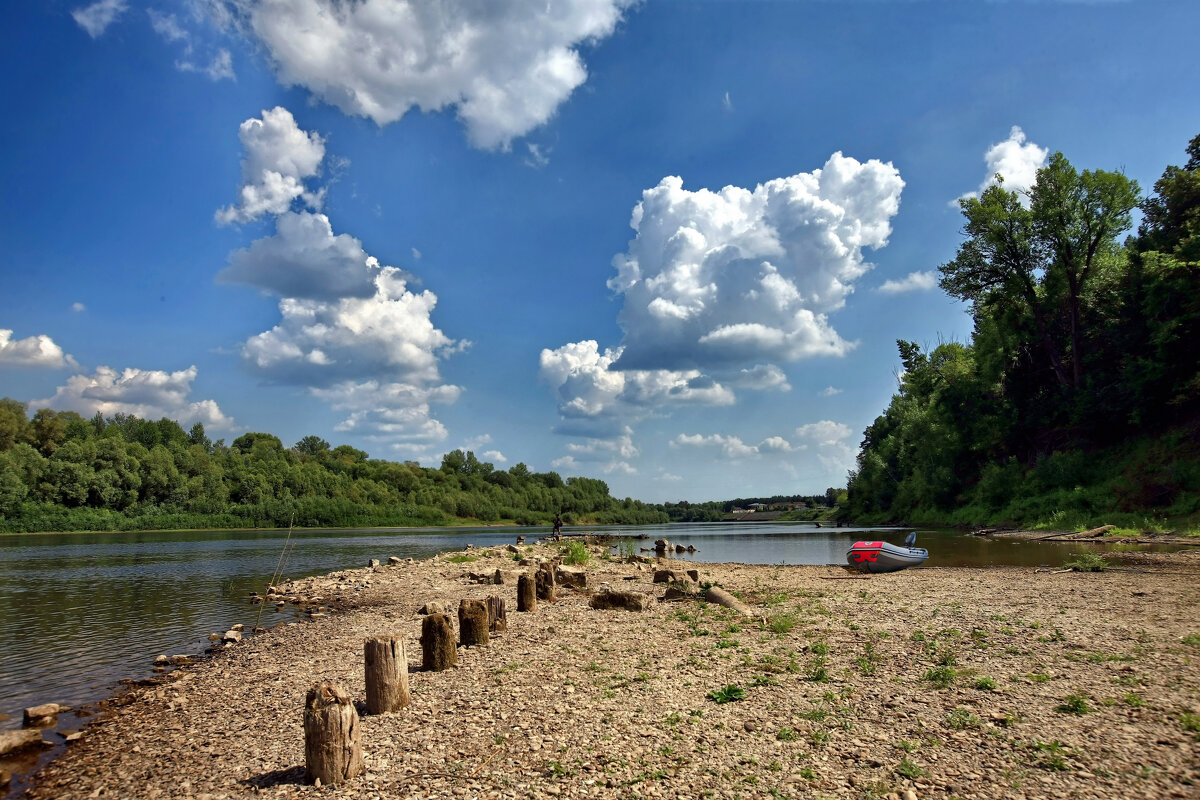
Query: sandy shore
932,683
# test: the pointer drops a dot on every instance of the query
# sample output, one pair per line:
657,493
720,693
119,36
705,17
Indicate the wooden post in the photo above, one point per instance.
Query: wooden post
387,675
545,584
526,593
497,617
437,643
332,737
472,622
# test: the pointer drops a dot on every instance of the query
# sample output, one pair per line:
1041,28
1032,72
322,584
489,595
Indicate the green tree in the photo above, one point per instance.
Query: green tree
312,446
14,425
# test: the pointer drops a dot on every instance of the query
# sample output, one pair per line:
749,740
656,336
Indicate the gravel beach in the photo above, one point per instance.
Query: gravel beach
926,683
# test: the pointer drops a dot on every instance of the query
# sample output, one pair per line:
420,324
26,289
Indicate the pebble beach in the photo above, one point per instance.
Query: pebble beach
927,683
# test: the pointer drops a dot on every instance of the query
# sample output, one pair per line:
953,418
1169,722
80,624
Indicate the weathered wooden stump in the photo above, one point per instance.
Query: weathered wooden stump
332,737
629,601
526,593
497,616
472,622
544,580
437,643
386,674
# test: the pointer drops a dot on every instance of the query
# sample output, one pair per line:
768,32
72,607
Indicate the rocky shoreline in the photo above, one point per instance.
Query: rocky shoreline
930,683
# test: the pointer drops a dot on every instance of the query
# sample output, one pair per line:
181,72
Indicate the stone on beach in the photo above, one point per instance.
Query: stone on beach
43,716
575,577
12,741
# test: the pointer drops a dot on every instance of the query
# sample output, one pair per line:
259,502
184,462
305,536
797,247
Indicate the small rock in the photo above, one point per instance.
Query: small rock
181,660
908,794
239,627
394,560
43,716
575,577
12,741
232,635
374,562
432,608
162,661
750,725
694,574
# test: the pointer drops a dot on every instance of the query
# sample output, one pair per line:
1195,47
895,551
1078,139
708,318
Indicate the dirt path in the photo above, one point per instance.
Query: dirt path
934,683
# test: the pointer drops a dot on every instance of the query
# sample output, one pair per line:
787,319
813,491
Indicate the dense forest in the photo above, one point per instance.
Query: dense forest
60,471
1078,396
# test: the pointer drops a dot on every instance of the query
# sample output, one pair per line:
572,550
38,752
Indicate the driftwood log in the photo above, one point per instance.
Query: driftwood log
437,643
544,579
386,674
715,594
497,617
472,623
332,736
526,593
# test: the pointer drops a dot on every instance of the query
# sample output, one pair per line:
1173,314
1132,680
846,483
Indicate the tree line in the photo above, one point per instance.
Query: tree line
61,471
1078,393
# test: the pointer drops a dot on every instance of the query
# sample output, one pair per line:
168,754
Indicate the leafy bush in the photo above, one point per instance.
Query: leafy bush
727,694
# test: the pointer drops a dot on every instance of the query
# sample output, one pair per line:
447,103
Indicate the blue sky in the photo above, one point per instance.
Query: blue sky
666,244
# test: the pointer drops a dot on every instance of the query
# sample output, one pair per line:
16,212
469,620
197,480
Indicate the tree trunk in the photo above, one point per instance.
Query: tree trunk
437,643
332,737
497,617
526,593
472,623
545,584
387,675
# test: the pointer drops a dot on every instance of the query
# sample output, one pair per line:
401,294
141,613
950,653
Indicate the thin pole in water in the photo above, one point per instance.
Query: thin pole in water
275,576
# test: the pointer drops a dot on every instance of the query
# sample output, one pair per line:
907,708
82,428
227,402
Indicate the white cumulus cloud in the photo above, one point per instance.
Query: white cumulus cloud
729,278
350,328
1015,160
396,414
279,156
831,443
830,391
32,351
504,67
320,342
146,393
913,282
304,259
598,400
96,18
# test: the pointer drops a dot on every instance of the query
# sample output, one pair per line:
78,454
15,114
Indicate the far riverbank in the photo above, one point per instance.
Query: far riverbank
1007,682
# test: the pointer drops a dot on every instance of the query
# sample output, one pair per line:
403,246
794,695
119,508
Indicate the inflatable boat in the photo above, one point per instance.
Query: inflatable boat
884,556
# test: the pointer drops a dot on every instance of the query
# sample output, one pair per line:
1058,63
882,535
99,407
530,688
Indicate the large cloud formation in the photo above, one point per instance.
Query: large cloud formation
715,279
145,393
32,351
506,67
719,285
351,330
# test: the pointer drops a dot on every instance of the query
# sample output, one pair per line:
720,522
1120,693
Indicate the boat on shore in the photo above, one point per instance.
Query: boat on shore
884,556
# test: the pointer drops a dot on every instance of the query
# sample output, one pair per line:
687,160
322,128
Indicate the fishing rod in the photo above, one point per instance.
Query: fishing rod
277,574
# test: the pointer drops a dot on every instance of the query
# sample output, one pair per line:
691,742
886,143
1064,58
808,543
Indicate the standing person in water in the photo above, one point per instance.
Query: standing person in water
558,525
